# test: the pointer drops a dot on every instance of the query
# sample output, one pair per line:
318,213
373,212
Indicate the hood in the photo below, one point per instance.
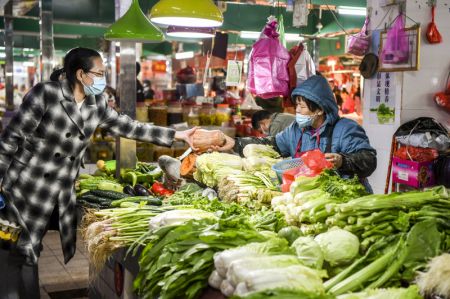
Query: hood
316,89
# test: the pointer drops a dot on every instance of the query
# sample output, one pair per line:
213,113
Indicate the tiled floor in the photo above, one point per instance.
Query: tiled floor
58,280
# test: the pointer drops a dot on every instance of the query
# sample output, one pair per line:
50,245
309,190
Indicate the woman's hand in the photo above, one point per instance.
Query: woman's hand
187,136
334,159
228,146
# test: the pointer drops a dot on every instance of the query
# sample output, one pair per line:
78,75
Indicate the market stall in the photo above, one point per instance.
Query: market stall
228,231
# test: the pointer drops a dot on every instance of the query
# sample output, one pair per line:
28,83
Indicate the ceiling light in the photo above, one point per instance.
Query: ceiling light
28,63
184,55
190,32
290,37
352,10
134,26
197,13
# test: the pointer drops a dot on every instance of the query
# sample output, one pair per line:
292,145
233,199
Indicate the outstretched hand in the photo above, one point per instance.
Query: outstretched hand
187,136
228,146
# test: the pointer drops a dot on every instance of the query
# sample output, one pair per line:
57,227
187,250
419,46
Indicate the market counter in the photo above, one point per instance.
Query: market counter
115,281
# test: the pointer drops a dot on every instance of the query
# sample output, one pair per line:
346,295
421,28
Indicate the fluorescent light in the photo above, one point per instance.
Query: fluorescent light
250,34
290,37
352,10
182,21
184,55
190,32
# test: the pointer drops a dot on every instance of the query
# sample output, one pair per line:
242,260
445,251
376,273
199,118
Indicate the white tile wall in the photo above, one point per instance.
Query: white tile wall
415,88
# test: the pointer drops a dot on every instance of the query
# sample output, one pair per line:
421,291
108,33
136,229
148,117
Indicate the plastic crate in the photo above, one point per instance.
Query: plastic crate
285,165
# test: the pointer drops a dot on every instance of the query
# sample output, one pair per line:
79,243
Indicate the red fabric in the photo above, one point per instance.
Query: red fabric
295,53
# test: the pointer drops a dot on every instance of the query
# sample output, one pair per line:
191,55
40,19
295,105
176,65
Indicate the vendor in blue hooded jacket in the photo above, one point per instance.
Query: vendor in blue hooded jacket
318,125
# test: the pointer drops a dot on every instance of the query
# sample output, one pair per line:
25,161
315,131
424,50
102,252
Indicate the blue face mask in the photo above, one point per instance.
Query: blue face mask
304,121
96,88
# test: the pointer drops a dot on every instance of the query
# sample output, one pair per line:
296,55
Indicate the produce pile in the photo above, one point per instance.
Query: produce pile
325,239
249,181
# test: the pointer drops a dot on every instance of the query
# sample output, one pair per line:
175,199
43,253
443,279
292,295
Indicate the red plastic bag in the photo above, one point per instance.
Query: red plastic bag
396,49
358,44
315,161
416,154
433,35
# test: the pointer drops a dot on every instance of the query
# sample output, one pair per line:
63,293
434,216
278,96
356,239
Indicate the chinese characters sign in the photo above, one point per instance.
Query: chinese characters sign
382,99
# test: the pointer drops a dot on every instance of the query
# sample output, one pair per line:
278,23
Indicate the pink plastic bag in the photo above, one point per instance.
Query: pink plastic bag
396,48
358,44
268,75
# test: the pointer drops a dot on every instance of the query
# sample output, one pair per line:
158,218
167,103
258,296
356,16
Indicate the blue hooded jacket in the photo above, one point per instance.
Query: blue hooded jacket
347,137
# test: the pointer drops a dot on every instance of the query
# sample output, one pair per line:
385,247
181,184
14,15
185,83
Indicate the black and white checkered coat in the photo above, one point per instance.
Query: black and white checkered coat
40,156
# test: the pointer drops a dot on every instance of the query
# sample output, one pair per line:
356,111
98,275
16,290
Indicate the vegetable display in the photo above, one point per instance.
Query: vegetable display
325,239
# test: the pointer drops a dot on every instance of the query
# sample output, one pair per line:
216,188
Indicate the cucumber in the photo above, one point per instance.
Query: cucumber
113,195
89,205
85,176
109,186
96,199
150,200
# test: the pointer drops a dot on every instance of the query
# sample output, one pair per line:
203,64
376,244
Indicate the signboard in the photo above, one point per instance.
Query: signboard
234,73
382,99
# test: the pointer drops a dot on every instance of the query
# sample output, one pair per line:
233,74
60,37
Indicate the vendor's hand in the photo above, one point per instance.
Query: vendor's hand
187,136
228,146
334,159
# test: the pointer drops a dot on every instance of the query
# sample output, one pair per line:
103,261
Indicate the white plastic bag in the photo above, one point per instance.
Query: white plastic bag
304,67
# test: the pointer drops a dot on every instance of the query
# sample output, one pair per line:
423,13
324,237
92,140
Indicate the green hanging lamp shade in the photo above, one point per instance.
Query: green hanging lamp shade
187,13
134,26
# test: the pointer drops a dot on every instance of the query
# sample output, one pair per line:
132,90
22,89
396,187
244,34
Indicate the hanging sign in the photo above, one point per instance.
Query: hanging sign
234,73
300,15
382,99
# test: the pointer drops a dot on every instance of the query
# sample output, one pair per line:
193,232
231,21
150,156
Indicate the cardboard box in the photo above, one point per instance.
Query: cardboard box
414,174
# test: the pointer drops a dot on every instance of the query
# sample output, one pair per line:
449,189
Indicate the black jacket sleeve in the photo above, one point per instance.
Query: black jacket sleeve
240,143
362,163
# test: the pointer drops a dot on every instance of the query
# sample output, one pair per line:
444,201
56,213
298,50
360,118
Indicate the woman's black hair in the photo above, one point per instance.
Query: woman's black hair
259,116
75,59
312,106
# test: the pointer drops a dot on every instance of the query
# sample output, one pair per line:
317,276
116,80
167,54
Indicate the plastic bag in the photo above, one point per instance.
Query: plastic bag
358,44
267,73
396,49
416,154
433,35
304,67
314,163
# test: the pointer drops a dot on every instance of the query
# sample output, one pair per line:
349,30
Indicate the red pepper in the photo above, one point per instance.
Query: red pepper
159,189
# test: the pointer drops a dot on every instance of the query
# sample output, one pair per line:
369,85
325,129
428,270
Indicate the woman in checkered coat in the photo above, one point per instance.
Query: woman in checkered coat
41,151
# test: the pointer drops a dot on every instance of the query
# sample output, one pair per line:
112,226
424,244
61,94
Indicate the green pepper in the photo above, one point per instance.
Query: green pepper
131,178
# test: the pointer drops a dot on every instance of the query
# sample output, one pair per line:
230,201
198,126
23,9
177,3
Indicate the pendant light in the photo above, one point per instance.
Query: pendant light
190,32
134,26
186,13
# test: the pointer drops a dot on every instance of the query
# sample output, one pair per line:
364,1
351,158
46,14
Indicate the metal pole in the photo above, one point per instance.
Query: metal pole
46,38
125,148
9,59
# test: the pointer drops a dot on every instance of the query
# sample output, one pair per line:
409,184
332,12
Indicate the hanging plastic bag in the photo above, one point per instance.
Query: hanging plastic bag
396,48
442,99
304,67
433,35
358,44
267,73
281,31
